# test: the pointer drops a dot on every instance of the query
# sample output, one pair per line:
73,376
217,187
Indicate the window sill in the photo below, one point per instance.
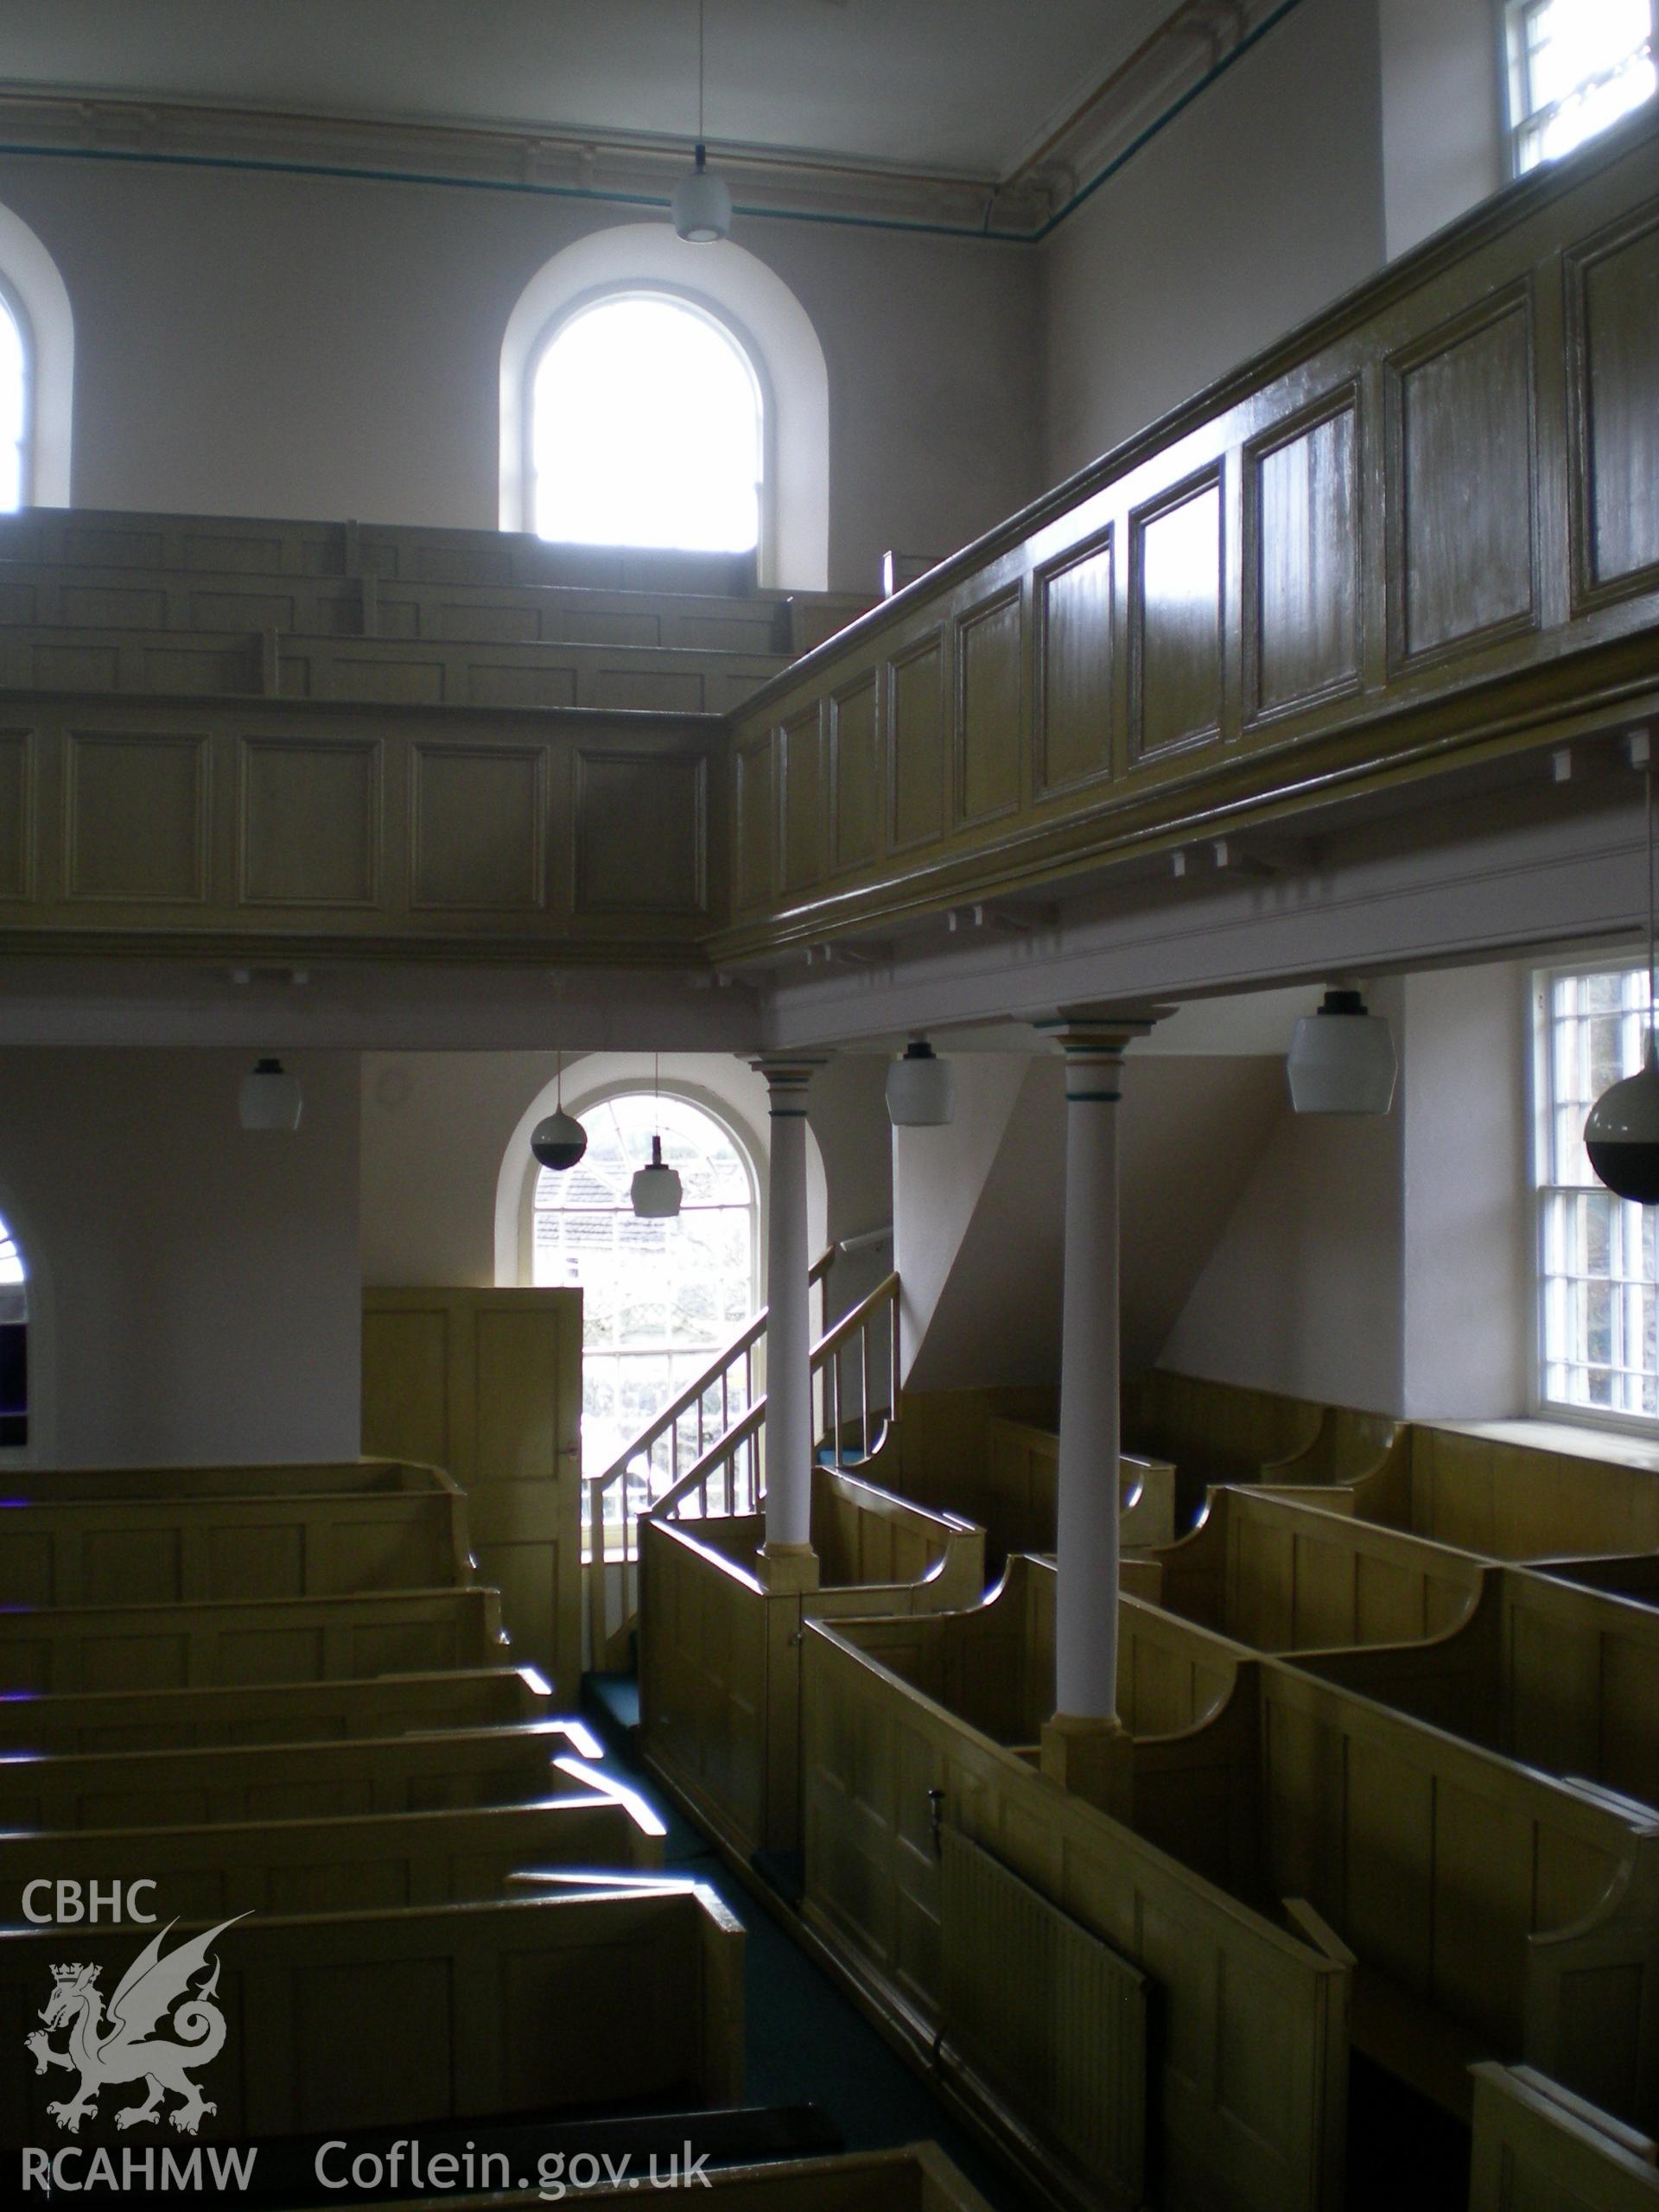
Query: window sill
1622,1447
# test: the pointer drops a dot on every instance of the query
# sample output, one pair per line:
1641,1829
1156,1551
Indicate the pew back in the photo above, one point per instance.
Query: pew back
203,1643
433,2013
720,1653
159,1548
272,1712
1251,2065
1538,2149
285,1781
369,1863
1280,1575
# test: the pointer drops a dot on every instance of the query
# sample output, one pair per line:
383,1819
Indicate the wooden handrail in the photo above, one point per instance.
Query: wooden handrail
851,1324
664,1421
610,1518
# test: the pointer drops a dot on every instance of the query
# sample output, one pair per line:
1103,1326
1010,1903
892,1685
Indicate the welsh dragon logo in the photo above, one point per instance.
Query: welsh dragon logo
120,2047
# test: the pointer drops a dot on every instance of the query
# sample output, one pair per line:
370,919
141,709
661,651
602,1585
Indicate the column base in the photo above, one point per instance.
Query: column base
1093,1759
782,1568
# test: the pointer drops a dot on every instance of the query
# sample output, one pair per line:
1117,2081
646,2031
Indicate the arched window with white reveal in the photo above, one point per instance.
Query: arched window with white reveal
13,1341
647,428
660,1296
15,488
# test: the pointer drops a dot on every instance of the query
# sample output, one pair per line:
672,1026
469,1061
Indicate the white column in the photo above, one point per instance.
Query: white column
1085,1659
789,1340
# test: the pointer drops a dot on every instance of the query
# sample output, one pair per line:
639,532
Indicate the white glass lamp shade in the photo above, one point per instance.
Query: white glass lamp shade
1622,1134
270,1097
656,1187
921,1089
702,205
559,1141
1342,1059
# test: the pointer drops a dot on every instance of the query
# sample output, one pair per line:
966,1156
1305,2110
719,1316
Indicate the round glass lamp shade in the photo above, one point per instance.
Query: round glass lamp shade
655,1190
1342,1059
1622,1134
702,205
559,1141
921,1089
270,1097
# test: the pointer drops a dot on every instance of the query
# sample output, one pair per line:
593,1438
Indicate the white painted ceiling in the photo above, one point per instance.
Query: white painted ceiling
965,87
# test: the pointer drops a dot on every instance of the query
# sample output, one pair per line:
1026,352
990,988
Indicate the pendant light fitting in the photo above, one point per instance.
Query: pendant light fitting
702,205
1621,1133
270,1097
560,1140
656,1189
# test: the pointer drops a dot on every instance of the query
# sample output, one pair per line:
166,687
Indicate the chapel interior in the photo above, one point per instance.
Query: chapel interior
828,1129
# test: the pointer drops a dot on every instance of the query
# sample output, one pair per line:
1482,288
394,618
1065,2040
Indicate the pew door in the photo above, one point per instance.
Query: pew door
487,1384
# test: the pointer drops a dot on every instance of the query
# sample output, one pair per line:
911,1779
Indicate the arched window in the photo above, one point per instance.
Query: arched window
742,306
659,1298
13,1341
647,428
14,410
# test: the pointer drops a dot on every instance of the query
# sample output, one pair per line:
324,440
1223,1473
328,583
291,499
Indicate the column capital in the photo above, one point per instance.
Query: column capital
787,1076
1092,1041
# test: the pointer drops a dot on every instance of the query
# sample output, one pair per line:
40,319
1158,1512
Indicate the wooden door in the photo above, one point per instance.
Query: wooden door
487,1384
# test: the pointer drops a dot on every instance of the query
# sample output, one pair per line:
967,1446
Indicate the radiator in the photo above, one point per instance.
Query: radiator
1046,2017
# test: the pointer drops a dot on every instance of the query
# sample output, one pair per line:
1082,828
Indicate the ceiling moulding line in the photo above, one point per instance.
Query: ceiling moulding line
978,226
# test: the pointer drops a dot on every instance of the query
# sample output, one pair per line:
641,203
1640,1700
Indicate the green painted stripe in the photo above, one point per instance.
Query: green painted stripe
364,175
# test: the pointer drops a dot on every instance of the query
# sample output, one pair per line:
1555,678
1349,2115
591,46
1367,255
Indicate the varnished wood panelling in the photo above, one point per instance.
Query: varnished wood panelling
310,822
16,813
642,833
488,1385
916,756
521,687
800,745
1461,417
1537,2148
1302,525
757,822
1614,299
478,827
137,818
989,692
1074,668
855,774
1177,620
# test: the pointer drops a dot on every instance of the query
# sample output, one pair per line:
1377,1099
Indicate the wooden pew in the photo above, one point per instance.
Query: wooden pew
557,2002
1025,1478
1280,1574
1489,1907
1215,1432
720,1653
1501,1495
285,1781
918,2178
1562,1677
248,1642
1537,2148
1246,2109
365,1863
271,1713
992,1457
158,1538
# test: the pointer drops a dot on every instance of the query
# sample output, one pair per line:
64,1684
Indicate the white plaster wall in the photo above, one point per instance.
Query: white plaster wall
1389,1263
1443,121
203,1283
275,344
1470,1262
445,1153
984,1214
1256,207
